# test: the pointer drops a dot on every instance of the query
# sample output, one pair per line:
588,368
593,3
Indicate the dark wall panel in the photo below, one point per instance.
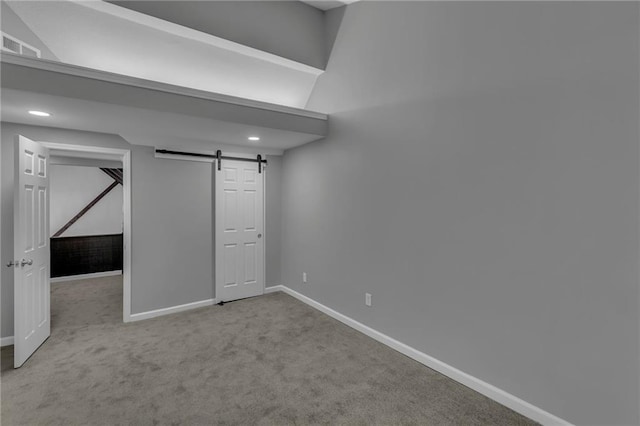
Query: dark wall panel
85,255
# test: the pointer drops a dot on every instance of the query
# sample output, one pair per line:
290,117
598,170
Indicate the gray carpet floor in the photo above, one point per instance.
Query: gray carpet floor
268,360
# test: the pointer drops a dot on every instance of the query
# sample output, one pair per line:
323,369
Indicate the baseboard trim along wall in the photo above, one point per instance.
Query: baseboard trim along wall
6,341
187,306
172,310
498,395
86,276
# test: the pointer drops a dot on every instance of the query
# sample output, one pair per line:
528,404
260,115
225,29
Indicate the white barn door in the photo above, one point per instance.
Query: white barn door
239,230
31,249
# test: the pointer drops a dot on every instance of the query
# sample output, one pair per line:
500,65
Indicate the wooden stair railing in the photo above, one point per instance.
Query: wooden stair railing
116,175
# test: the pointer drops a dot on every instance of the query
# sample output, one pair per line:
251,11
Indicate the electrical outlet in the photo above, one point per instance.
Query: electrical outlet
367,299
304,277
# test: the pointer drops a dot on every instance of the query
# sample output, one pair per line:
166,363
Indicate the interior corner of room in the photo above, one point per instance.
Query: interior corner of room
403,212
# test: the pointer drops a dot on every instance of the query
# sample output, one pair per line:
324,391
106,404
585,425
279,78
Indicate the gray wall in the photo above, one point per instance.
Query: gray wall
14,26
290,29
172,222
273,225
481,180
172,247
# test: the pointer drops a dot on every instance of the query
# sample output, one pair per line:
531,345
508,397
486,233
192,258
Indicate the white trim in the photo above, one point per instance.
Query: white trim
21,43
172,310
85,149
264,226
498,395
200,36
126,230
86,276
90,73
273,289
125,156
6,341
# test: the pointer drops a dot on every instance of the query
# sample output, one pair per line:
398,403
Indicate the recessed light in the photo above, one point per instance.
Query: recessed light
254,138
39,113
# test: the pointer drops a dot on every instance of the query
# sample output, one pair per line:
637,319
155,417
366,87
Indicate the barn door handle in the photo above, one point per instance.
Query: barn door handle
26,262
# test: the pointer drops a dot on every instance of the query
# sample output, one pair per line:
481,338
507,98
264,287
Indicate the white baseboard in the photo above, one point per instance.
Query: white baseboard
498,395
6,341
86,276
273,289
172,310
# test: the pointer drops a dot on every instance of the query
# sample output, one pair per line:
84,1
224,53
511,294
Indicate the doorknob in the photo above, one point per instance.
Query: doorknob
12,263
259,235
26,262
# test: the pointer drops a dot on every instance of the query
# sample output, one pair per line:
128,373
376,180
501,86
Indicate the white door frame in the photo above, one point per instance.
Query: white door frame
124,155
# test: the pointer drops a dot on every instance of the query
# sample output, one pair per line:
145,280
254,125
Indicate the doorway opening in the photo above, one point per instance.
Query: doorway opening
31,248
90,248
86,240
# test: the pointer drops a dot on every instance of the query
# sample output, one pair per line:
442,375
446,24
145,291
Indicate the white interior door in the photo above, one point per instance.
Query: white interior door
239,230
31,249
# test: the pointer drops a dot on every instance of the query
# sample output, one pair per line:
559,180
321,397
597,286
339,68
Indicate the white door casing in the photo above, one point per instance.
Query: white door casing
115,154
31,249
239,212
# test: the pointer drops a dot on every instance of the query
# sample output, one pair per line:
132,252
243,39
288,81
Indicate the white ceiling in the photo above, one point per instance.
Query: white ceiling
143,126
107,37
147,112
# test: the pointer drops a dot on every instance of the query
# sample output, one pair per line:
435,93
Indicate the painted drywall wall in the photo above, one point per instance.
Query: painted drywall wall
273,220
172,215
290,29
172,218
71,189
481,180
14,26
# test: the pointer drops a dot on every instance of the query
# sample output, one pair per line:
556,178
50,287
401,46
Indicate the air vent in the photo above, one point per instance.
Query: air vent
12,44
27,51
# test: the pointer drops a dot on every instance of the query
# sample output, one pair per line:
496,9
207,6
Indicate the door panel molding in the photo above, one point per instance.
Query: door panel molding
31,313
239,230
